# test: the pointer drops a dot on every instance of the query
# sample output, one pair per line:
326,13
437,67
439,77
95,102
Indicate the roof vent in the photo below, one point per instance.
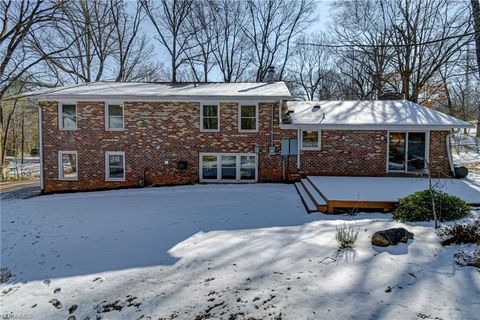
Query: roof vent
316,108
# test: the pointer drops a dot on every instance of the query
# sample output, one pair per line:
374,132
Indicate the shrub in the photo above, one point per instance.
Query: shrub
418,207
461,233
468,258
346,236
5,275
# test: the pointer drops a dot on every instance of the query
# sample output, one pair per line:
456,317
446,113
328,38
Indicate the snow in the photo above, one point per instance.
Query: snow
311,190
219,250
392,189
147,91
369,114
309,205
466,157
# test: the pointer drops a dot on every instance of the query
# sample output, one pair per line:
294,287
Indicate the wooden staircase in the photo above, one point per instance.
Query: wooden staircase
312,198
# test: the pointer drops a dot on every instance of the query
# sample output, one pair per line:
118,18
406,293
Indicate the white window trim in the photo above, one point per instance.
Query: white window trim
218,116
60,115
427,149
60,166
107,165
240,116
319,132
106,112
219,167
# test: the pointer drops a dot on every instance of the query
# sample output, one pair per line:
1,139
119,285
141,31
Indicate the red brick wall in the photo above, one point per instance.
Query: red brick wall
348,153
156,132
438,154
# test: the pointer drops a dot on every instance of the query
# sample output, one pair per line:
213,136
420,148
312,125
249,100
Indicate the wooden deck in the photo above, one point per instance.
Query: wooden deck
340,194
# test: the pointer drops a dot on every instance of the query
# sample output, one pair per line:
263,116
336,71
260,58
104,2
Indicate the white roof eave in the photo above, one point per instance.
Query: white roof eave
156,98
375,126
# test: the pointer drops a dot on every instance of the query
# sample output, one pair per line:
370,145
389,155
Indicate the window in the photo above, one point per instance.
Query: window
114,117
115,166
67,165
210,120
311,140
248,167
407,151
248,118
209,167
67,116
228,167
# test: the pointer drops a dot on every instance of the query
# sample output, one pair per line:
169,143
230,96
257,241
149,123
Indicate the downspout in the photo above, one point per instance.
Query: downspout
40,138
298,149
449,154
271,122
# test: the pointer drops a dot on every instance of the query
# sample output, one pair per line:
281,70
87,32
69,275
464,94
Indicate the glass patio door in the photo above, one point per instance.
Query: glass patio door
228,167
407,151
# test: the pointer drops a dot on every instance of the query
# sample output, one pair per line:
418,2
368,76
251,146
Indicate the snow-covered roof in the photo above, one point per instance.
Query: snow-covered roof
378,114
160,91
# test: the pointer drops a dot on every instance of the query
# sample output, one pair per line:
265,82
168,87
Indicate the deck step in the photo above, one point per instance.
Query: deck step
306,199
313,192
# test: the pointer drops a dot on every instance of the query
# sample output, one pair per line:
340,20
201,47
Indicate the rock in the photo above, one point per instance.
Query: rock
391,237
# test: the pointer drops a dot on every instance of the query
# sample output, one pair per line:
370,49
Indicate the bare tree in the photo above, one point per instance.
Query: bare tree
22,22
476,23
169,19
311,69
200,23
272,26
363,60
425,35
89,25
233,51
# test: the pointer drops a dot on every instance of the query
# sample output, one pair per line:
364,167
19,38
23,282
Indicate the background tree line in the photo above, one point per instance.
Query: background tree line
426,51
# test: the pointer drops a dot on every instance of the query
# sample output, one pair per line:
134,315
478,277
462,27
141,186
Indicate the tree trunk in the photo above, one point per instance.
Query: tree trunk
476,20
22,138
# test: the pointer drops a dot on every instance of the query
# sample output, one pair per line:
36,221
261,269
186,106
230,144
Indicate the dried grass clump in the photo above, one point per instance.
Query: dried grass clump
346,236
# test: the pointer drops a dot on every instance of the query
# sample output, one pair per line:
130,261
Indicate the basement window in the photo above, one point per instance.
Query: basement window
114,117
114,166
67,119
67,165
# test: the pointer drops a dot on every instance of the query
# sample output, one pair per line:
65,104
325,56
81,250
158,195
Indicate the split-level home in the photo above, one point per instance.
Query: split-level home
106,135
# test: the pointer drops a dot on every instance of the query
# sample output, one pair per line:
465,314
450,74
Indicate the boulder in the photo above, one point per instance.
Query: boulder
389,237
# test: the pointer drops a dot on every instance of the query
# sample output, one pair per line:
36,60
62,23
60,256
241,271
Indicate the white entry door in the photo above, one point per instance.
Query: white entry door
228,167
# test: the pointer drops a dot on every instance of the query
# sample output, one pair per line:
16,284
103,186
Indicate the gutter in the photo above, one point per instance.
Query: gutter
160,98
40,138
369,127
298,148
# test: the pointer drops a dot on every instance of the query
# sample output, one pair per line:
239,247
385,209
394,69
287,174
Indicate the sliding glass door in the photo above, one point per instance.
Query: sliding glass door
228,167
407,151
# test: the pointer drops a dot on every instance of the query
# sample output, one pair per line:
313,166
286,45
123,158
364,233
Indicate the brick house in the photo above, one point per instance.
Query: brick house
106,135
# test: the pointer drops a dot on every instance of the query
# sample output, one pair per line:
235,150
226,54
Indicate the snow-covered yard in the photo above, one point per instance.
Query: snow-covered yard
225,252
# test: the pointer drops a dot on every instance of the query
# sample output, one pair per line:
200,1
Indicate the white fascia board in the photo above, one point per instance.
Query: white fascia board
163,98
371,127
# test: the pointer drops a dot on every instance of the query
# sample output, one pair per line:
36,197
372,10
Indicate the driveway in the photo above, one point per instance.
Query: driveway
19,189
